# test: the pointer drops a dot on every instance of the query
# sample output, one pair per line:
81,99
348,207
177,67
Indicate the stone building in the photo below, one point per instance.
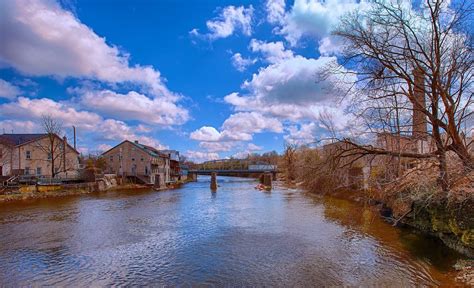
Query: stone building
175,169
138,162
30,154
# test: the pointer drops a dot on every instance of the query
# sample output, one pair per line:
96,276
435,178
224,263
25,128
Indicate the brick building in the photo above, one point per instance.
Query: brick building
30,154
139,162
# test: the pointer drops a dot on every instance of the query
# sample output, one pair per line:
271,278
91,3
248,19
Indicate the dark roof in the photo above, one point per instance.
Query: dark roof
19,139
148,149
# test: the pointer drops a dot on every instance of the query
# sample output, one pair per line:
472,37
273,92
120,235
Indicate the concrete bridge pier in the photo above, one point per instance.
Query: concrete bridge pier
267,180
193,176
213,181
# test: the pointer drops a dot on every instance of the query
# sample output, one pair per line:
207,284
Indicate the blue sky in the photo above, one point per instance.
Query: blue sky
212,79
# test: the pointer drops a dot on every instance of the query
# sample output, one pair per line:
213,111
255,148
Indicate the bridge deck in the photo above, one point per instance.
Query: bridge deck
231,171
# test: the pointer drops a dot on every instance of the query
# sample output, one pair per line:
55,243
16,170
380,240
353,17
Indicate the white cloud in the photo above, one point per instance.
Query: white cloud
241,63
273,52
34,109
230,20
40,38
275,10
238,128
198,156
254,147
217,146
18,126
8,90
242,125
133,106
293,89
251,148
30,111
304,134
206,133
331,45
104,147
315,18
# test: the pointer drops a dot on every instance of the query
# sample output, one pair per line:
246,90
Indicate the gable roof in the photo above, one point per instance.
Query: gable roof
22,139
148,149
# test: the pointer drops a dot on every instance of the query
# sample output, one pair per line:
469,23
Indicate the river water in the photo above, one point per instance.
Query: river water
236,237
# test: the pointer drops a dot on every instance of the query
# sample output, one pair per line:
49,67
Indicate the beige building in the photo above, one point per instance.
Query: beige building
140,162
37,155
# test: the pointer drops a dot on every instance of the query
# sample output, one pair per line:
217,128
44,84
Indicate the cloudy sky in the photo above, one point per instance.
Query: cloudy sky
212,79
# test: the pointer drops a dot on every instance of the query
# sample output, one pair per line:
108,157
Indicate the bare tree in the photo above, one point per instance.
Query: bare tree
397,51
55,146
289,162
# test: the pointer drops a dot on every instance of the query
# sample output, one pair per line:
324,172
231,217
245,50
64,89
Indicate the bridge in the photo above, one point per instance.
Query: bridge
251,171
265,175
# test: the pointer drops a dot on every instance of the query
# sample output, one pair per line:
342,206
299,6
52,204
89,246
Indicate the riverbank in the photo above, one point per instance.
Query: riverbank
51,191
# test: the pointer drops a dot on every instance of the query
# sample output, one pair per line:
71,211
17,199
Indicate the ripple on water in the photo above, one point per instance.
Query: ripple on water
236,237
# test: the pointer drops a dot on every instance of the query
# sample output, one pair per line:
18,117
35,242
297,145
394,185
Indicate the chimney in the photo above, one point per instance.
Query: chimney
136,141
419,129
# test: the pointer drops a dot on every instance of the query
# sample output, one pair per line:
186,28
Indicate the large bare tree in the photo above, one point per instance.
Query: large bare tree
54,147
387,46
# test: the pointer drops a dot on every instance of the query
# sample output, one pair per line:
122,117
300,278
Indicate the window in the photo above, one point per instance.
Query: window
141,159
133,159
27,170
56,170
28,154
49,156
112,158
38,170
1,153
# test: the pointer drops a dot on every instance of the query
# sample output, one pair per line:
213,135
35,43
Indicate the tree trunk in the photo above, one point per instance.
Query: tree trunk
443,177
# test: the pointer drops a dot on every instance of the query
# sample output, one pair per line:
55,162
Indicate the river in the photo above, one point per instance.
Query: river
236,237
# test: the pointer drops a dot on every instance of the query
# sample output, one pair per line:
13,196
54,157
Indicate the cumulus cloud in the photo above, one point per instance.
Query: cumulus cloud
251,148
217,146
18,126
198,156
206,133
273,52
30,111
8,90
242,125
240,63
292,90
133,106
40,38
104,147
275,10
315,18
230,20
304,134
238,127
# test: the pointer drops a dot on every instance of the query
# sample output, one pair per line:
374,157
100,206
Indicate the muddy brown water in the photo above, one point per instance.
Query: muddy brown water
236,237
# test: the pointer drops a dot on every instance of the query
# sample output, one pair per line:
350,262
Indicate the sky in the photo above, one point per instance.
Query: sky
212,79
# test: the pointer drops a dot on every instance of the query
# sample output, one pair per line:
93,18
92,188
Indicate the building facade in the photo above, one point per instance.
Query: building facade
138,161
37,155
175,169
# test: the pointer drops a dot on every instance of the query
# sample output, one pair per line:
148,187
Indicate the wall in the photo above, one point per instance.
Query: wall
39,158
132,155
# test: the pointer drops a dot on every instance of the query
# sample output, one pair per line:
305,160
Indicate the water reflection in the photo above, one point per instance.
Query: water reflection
237,236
